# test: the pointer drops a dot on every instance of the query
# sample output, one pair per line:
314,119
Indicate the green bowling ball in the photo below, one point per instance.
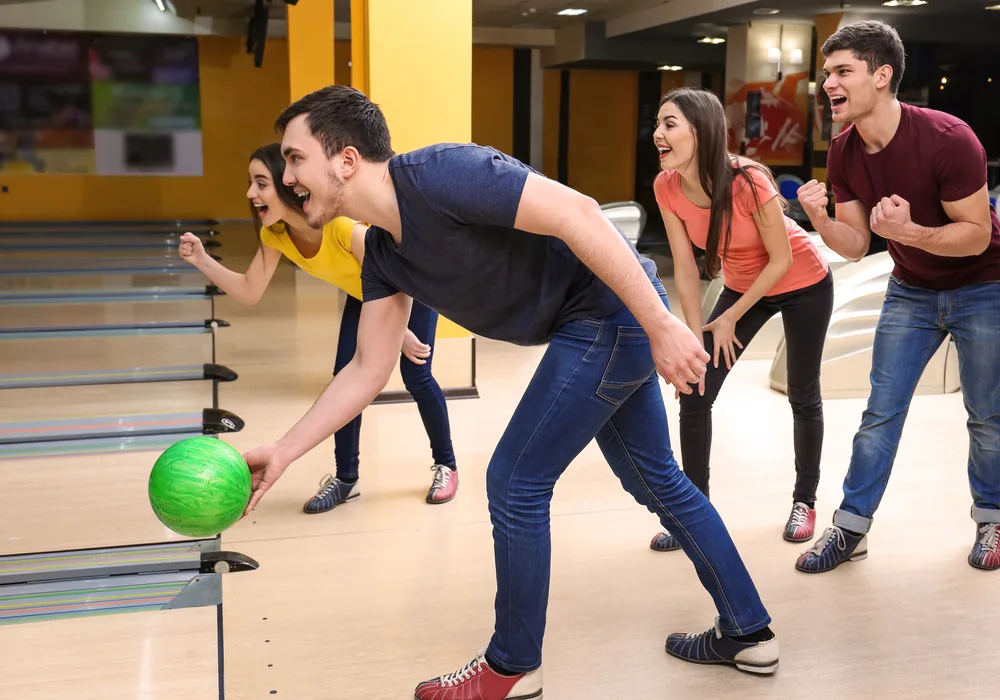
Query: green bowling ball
199,486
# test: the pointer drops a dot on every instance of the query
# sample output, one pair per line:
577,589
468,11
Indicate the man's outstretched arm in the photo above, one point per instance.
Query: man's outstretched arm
380,334
549,208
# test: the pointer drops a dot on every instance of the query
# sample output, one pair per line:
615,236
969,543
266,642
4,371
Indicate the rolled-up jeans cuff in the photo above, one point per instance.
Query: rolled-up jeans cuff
852,522
985,515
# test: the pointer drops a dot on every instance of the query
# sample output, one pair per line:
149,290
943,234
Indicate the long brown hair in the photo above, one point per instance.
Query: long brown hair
717,167
270,156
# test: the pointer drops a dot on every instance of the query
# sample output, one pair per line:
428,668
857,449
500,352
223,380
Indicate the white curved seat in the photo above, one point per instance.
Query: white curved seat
765,344
628,217
859,292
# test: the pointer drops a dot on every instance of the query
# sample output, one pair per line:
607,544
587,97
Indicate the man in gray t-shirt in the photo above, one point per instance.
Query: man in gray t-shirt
508,254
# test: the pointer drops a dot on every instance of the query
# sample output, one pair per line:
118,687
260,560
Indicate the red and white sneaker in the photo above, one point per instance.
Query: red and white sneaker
477,681
801,525
985,552
445,484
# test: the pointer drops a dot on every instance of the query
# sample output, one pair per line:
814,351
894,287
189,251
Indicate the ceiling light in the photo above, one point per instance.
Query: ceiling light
159,4
944,81
711,40
766,11
993,7
904,3
571,12
672,68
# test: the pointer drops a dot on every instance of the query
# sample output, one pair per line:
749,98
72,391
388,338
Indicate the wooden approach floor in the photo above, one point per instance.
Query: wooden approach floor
368,600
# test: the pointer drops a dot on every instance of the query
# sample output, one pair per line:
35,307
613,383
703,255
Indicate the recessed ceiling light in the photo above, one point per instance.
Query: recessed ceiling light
711,40
904,3
672,68
993,7
766,11
571,12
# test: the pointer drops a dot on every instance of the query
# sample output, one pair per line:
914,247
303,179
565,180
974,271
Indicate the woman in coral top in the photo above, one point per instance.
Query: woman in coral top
333,254
729,206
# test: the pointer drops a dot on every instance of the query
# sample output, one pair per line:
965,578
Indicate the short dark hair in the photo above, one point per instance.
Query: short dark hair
340,116
874,42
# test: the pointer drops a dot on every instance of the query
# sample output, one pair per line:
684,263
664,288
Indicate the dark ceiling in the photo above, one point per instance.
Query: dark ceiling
923,19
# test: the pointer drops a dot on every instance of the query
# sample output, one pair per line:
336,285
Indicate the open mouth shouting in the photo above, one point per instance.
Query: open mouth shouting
664,151
304,196
837,102
262,209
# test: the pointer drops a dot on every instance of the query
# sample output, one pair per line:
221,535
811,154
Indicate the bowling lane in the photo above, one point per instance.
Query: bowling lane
165,654
35,255
61,355
103,279
108,265
79,502
151,310
46,403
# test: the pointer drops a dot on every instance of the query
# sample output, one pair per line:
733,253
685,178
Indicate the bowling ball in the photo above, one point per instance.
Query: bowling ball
199,486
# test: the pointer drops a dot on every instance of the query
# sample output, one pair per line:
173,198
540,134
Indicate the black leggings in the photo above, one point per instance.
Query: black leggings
805,314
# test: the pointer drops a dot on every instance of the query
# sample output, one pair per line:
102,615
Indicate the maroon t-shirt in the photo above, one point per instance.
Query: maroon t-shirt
933,158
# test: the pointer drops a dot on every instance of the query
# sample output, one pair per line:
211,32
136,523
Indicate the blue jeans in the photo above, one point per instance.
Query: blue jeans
417,379
913,324
597,380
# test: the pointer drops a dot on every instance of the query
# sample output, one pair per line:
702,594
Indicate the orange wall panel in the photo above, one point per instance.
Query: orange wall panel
493,97
602,132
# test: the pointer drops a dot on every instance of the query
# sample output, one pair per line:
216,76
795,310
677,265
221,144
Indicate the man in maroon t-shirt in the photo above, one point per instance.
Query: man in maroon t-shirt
917,178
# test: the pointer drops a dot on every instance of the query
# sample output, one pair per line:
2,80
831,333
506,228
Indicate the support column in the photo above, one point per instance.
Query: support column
537,111
359,45
823,127
767,91
310,47
424,88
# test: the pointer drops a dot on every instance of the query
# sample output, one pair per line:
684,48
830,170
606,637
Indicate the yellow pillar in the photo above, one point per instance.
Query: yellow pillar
424,87
311,58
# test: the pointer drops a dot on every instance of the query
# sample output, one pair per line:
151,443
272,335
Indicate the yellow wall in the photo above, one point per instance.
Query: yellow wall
602,133
240,102
238,105
493,97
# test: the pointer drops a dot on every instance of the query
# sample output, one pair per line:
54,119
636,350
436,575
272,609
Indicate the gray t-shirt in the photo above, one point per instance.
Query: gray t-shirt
461,255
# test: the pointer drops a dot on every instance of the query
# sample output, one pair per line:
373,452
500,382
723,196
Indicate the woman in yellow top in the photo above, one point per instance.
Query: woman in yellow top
334,254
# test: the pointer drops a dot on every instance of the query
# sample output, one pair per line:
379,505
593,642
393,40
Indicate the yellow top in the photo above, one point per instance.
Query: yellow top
334,263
